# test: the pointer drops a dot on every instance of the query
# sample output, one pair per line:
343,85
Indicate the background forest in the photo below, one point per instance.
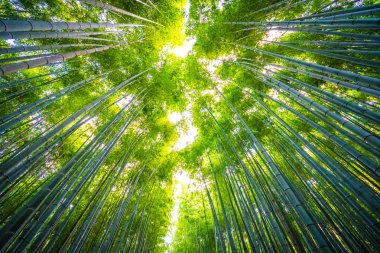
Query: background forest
189,126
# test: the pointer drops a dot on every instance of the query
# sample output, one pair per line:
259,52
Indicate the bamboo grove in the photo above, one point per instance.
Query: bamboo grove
283,96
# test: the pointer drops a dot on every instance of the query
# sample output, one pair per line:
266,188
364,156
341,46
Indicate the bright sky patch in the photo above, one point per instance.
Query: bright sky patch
181,180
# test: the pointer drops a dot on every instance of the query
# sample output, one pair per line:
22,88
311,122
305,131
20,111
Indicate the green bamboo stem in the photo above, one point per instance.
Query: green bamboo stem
35,25
8,69
115,9
336,43
47,35
356,60
353,23
339,12
24,57
371,12
44,47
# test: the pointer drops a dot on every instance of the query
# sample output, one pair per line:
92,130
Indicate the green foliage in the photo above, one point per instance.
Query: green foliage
290,175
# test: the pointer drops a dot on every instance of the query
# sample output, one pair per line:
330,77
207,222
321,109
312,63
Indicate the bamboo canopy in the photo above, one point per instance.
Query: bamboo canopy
198,126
